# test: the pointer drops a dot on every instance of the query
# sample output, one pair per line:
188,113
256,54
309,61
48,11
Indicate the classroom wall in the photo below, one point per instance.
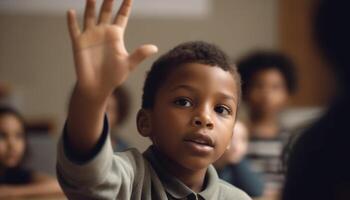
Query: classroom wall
35,54
296,39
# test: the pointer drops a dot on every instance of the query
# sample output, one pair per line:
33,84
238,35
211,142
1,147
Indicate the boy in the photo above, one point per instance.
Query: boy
188,111
268,81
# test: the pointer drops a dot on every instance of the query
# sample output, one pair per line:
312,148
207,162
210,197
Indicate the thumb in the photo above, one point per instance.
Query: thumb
141,53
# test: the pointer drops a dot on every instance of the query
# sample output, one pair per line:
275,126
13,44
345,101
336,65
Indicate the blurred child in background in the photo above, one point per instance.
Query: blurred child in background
234,168
15,180
118,108
268,80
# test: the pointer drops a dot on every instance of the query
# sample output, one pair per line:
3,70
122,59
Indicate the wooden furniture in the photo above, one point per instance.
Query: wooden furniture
296,39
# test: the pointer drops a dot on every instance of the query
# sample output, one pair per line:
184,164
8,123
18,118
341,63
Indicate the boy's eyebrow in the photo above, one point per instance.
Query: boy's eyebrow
229,97
187,87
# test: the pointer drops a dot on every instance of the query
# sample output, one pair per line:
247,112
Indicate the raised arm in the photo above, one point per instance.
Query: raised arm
102,63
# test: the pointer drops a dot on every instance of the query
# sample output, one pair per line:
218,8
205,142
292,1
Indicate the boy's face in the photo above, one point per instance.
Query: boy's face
194,114
267,91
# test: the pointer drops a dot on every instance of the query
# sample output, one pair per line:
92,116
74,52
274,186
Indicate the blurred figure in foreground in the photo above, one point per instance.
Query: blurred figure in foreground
15,180
234,168
319,164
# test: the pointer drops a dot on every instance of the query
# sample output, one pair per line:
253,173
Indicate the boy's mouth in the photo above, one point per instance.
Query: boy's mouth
200,139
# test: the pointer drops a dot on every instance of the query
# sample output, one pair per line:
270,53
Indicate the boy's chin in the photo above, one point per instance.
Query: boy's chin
195,164
189,162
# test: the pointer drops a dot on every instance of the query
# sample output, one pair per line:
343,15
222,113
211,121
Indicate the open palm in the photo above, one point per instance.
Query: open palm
101,59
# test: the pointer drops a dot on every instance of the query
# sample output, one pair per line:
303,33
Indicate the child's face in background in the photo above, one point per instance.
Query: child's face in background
12,141
239,144
194,114
267,92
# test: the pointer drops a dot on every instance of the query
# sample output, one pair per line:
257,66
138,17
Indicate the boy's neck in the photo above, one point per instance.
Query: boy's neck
193,179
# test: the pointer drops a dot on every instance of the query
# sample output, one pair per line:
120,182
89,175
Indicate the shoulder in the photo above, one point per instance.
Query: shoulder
132,161
17,176
228,191
131,155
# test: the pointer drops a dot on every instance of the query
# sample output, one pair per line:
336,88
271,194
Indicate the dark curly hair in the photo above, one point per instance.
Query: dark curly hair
189,52
7,110
262,60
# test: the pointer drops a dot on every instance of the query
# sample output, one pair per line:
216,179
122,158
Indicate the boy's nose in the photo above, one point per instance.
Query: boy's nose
202,121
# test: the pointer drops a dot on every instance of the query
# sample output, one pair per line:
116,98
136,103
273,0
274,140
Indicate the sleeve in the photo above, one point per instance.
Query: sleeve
101,175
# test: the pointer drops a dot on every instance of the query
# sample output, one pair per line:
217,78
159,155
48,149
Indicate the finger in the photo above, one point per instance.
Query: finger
89,15
73,27
141,53
106,12
121,19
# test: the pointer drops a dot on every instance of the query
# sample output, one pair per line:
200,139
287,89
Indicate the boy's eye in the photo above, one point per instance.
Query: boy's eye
222,110
183,102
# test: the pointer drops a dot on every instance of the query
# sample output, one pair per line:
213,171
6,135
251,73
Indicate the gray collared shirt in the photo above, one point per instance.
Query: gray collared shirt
130,175
175,189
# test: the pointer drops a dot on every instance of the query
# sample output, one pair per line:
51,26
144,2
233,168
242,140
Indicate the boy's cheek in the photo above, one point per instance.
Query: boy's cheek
224,143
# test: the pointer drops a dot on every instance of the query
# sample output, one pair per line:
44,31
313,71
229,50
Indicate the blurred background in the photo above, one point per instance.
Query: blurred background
37,72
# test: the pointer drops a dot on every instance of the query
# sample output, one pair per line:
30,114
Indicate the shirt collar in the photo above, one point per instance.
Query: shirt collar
174,186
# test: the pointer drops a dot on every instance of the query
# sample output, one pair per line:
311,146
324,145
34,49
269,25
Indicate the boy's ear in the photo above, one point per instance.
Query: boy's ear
143,120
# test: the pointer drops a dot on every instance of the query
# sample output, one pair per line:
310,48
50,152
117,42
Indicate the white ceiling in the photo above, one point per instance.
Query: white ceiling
143,8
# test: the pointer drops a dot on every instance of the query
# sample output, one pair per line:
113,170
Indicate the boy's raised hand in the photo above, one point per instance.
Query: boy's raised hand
101,59
102,63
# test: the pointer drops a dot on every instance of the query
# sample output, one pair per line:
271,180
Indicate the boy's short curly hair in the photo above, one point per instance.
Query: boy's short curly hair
262,60
189,52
